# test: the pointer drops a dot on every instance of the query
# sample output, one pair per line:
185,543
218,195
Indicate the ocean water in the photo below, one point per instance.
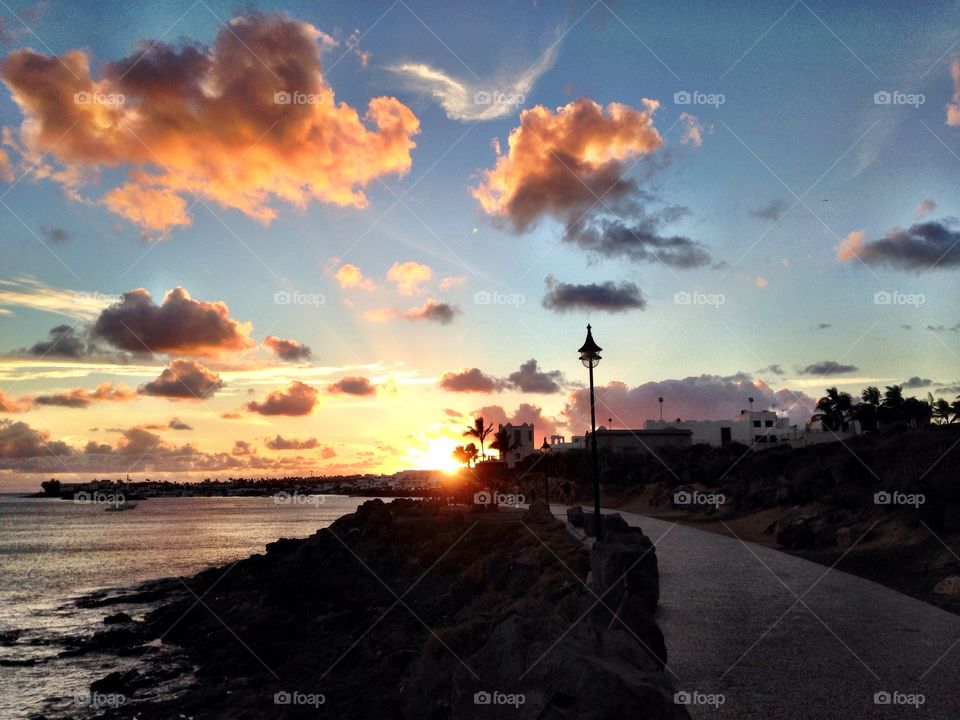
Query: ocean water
54,551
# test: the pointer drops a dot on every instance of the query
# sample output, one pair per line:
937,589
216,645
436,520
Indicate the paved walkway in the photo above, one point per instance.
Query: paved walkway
781,637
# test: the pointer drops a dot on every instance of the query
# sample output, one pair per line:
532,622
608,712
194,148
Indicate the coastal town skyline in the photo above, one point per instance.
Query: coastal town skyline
320,239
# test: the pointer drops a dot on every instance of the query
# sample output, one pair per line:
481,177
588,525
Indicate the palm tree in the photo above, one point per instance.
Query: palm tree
955,406
465,454
480,431
942,411
503,443
871,395
893,401
834,409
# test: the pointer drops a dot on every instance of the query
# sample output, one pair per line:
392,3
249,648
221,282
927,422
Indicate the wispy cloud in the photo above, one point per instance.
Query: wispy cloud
473,99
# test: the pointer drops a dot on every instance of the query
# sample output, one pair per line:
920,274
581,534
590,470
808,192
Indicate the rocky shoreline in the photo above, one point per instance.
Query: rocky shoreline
401,610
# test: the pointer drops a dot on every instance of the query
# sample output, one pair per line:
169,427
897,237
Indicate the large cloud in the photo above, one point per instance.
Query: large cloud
922,246
179,326
296,399
241,123
285,349
64,341
282,443
571,165
530,379
81,398
608,296
352,385
469,380
707,397
184,380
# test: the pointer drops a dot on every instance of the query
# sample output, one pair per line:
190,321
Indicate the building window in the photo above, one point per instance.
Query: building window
769,423
756,423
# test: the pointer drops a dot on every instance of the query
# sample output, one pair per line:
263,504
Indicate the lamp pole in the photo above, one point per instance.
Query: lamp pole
660,400
590,357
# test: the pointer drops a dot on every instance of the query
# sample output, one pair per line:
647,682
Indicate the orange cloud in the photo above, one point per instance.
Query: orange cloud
350,276
296,399
409,277
560,163
286,349
240,124
179,326
9,405
81,398
953,107
851,245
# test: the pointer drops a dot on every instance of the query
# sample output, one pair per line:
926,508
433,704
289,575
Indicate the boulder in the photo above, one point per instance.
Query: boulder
797,534
538,514
575,516
949,586
117,619
626,562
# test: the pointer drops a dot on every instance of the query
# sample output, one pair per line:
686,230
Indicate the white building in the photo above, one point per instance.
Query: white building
558,443
759,429
522,437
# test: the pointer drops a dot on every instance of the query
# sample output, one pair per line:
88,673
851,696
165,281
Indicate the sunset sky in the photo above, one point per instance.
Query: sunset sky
320,236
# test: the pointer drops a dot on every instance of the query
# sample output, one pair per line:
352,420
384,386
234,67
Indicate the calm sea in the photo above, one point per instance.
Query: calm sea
53,551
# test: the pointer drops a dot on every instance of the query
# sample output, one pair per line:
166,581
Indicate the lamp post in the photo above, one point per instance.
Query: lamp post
545,448
660,400
590,357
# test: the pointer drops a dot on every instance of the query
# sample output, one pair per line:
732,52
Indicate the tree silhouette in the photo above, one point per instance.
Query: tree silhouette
465,454
503,443
834,409
942,411
480,431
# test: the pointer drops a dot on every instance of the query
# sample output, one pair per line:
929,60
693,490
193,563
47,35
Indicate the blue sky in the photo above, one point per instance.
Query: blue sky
798,118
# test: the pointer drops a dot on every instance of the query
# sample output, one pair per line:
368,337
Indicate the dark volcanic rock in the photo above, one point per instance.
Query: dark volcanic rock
575,516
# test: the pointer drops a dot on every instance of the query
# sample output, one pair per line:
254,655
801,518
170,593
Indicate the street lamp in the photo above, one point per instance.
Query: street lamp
660,400
590,357
545,448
